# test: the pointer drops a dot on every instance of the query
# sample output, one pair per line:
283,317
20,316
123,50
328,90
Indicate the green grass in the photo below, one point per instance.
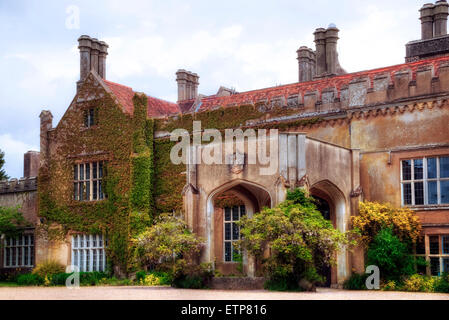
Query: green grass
8,284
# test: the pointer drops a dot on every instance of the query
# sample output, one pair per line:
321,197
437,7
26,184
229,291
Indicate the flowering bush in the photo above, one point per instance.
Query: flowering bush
418,283
374,216
300,239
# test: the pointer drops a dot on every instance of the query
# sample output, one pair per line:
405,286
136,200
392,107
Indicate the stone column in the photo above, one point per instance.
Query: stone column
331,50
320,42
94,53
195,84
441,12
427,21
102,59
30,164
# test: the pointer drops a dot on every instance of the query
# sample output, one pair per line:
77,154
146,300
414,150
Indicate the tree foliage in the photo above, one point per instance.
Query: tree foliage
391,256
166,241
374,217
11,221
3,175
300,239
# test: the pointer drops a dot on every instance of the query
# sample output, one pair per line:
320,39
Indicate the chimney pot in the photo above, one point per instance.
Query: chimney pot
441,12
427,19
320,42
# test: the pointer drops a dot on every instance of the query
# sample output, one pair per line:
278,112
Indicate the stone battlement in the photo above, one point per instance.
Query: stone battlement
18,185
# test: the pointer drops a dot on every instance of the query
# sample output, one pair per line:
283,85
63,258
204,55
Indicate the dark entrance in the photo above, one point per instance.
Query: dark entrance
325,271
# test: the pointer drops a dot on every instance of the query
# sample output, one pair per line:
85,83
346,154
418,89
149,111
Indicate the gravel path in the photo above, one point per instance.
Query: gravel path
165,293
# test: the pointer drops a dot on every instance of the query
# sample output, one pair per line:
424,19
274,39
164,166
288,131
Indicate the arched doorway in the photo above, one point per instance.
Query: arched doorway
332,204
326,271
226,206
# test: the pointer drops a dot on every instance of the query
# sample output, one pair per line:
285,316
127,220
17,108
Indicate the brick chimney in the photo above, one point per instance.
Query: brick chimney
187,85
30,164
93,55
307,62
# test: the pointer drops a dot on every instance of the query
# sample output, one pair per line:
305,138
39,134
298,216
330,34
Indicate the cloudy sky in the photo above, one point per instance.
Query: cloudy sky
242,44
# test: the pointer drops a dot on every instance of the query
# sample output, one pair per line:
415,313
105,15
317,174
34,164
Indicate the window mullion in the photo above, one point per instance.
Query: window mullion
425,187
438,181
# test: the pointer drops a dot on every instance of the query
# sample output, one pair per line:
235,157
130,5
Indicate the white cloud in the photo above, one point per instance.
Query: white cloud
14,150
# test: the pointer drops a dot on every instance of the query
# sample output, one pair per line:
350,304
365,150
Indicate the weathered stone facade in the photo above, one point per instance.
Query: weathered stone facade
343,136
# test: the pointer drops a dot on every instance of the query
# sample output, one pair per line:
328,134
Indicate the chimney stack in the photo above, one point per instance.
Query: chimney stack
93,55
187,85
327,63
306,61
320,43
46,124
31,164
441,12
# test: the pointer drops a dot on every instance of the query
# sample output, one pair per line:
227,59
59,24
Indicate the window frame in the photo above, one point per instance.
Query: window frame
425,181
92,248
30,245
231,222
93,181
441,256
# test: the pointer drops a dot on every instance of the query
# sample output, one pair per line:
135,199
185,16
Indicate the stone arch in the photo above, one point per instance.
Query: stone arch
328,191
253,195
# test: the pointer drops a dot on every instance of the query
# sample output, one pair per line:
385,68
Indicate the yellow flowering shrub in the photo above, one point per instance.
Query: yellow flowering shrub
374,216
418,283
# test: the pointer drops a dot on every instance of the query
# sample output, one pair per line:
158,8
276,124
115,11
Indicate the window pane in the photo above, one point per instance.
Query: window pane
81,171
242,211
91,117
407,193
75,191
444,192
435,266
87,171
95,197
100,190
75,172
445,244
94,170
446,265
418,163
407,170
228,250
419,193
420,247
235,231
432,192
100,170
431,168
87,190
81,191
227,231
434,245
235,213
444,167
227,214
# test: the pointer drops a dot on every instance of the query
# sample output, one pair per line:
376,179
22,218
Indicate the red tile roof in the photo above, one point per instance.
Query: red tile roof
156,107
337,82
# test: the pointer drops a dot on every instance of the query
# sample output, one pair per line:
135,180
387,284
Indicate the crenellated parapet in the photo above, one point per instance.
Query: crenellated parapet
18,185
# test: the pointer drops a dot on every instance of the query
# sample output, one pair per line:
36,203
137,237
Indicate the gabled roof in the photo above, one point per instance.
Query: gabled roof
156,107
335,82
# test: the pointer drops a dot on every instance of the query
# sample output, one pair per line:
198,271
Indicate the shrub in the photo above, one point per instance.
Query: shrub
190,276
48,268
374,217
390,255
30,279
390,285
168,240
155,279
356,282
300,239
419,283
442,284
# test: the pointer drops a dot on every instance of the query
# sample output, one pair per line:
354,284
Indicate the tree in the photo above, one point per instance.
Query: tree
374,217
165,242
391,256
3,175
11,221
300,239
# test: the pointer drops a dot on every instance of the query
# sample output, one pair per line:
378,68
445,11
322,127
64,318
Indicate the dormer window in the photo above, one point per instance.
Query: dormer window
90,117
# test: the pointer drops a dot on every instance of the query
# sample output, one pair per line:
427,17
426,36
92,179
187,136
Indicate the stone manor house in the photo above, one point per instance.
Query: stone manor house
377,135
